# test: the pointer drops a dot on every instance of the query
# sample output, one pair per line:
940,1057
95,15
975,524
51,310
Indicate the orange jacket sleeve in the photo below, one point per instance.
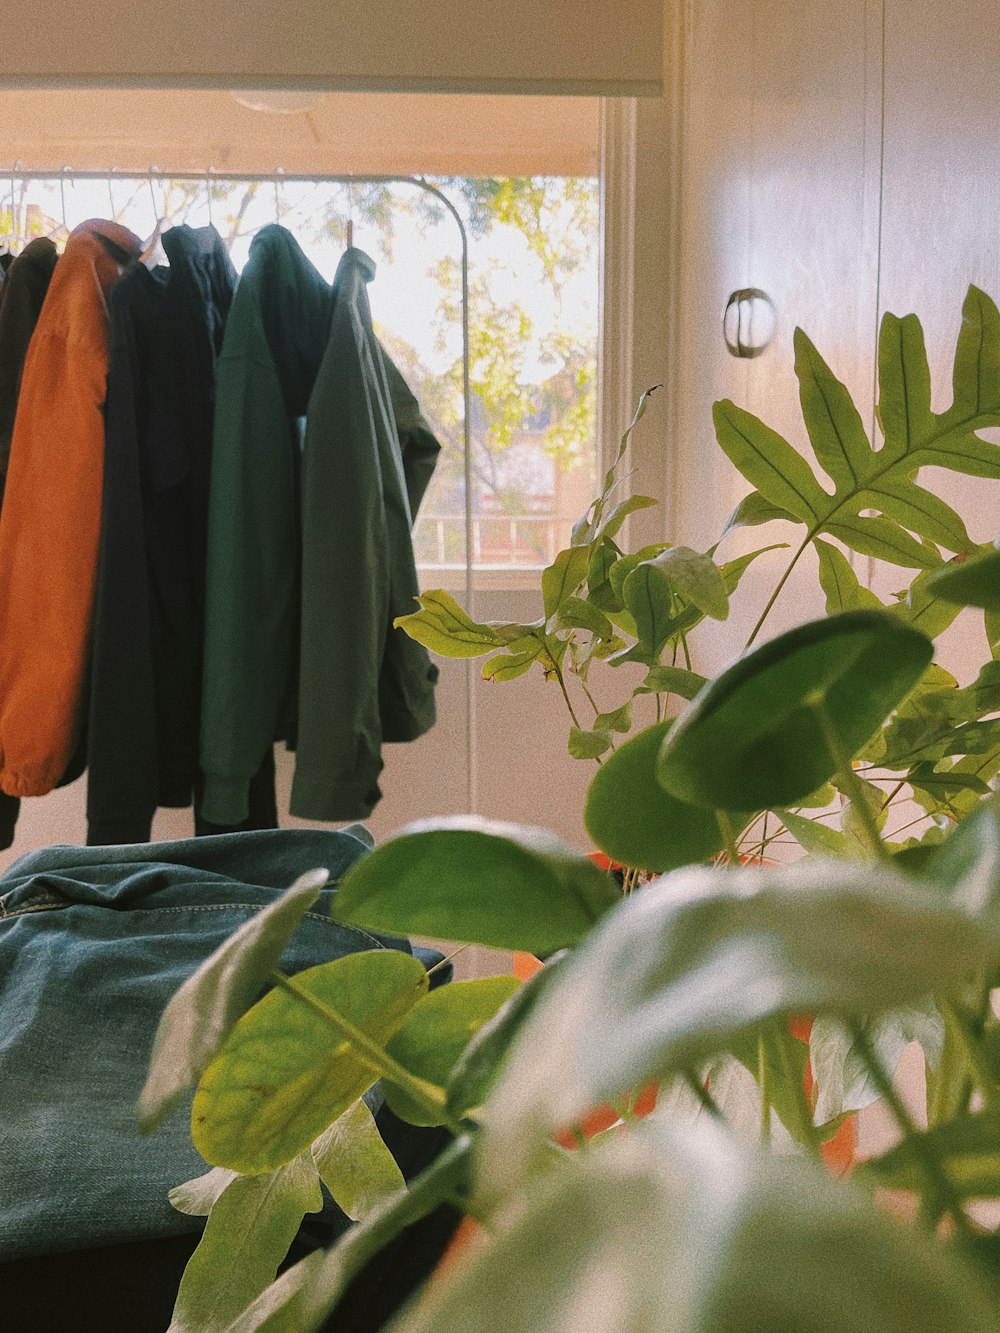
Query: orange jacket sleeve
50,525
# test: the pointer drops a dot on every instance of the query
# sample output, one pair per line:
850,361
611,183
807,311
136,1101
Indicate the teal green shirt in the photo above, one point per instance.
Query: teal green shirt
369,455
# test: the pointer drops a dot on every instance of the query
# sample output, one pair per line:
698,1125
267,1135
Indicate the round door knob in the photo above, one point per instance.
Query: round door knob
748,322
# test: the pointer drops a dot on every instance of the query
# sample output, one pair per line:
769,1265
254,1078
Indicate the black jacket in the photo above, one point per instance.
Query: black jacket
24,290
166,328
24,286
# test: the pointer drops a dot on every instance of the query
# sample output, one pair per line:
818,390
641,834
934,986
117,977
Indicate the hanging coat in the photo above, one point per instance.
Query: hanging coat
369,456
50,523
24,291
166,328
273,345
25,283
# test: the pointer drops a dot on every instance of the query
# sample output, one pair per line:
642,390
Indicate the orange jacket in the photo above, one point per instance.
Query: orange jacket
51,519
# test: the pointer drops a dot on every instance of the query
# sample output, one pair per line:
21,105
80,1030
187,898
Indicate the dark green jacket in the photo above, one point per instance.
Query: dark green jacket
325,546
274,341
369,456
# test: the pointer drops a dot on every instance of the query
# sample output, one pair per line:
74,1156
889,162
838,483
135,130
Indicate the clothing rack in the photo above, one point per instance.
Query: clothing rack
280,177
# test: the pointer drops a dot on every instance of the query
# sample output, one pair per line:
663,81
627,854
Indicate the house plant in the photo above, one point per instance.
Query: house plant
713,1214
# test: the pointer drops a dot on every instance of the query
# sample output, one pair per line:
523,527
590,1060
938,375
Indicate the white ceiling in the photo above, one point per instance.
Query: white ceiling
376,133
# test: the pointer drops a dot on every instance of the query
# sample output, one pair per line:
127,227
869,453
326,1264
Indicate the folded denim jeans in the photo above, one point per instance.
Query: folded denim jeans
93,943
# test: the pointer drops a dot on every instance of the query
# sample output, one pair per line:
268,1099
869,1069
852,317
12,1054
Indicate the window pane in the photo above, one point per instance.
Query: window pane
533,317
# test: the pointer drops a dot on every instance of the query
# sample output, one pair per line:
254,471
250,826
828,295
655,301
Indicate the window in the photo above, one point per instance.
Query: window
533,307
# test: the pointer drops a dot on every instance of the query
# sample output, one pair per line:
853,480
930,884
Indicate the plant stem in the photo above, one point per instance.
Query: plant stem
729,836
703,1095
853,784
765,1092
960,1023
590,698
562,685
943,1197
781,583
428,1096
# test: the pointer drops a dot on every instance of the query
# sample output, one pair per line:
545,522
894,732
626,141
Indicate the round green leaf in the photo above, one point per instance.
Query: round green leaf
974,583
437,1031
633,820
755,737
478,881
285,1073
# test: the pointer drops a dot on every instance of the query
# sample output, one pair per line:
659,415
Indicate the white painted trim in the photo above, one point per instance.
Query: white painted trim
616,331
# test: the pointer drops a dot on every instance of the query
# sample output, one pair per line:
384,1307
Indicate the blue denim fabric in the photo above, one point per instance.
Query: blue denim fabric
93,943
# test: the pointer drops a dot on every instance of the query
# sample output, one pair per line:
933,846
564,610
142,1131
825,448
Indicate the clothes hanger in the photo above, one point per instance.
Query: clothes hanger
61,228
13,241
349,230
153,253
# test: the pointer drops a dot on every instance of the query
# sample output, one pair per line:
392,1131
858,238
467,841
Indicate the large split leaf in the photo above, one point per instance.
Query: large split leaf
477,881
249,1230
974,583
761,733
447,629
354,1163
967,1147
865,478
681,970
302,1298
285,1072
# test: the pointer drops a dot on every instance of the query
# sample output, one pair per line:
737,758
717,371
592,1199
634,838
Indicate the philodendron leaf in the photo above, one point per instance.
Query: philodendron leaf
437,1031
939,786
612,525
199,1016
563,577
684,968
923,608
354,1163
883,479
843,1079
844,591
301,1300
665,1232
761,733
589,744
285,1072
632,819
197,1197
477,881
817,838
698,579
974,583
967,1148
753,510
967,865
648,595
249,1230
508,666
662,679
619,719
587,528
576,613
445,628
